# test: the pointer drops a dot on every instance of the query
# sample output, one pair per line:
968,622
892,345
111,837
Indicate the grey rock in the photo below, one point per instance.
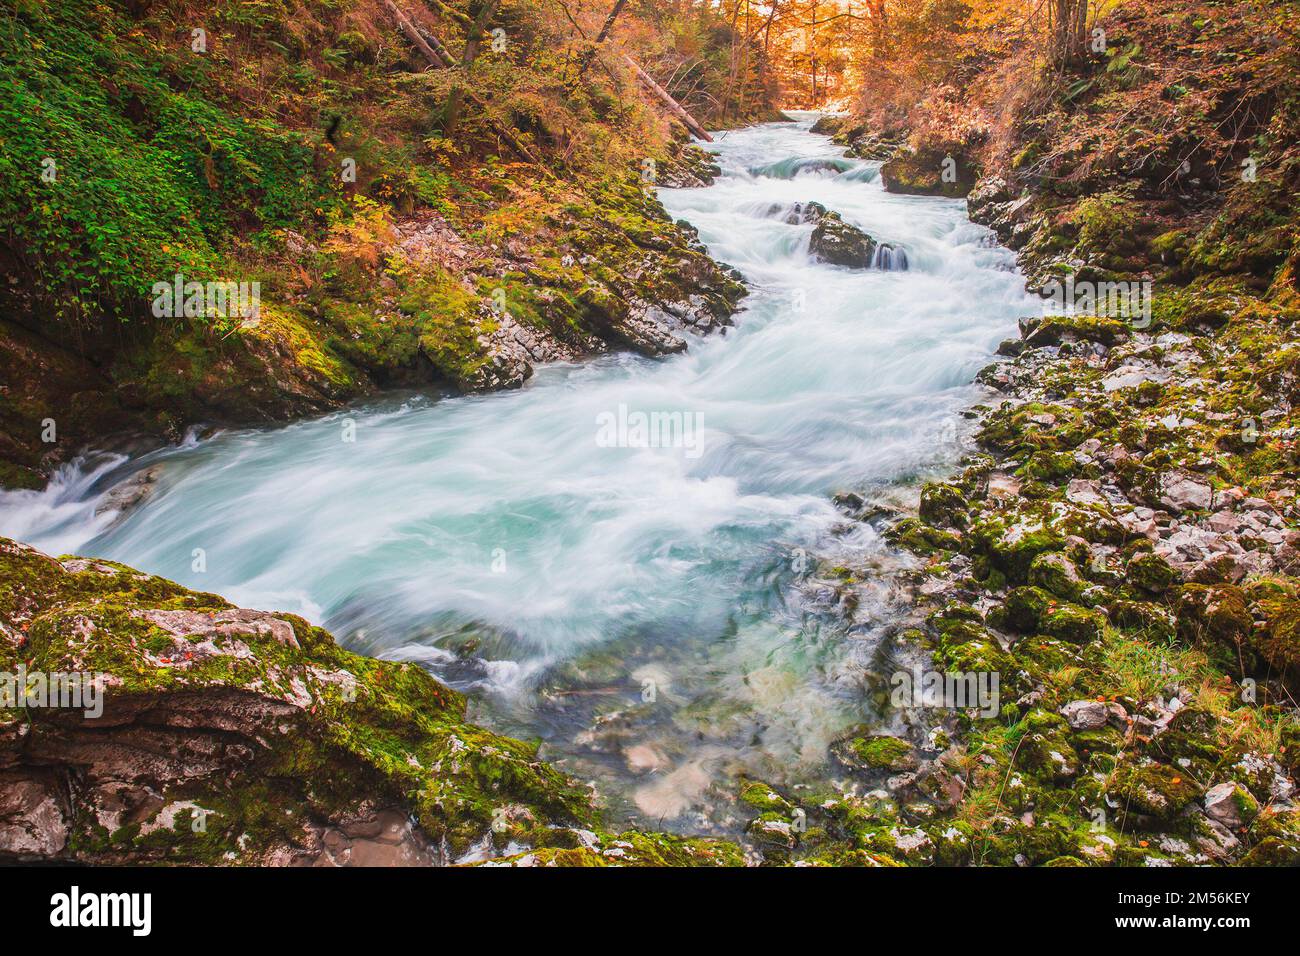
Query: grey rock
1229,804
837,242
1180,490
1086,714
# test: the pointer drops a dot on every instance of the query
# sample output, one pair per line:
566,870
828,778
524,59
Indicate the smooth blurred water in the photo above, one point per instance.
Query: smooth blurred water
493,538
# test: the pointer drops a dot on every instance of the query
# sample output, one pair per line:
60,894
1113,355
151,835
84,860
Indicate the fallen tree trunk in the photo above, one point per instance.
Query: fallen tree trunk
413,34
440,60
642,75
673,106
600,37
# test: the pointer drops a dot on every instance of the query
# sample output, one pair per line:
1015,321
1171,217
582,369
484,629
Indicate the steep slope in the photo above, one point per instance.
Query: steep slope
308,148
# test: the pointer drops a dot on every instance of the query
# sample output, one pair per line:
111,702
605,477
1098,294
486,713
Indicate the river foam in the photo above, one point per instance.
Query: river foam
498,541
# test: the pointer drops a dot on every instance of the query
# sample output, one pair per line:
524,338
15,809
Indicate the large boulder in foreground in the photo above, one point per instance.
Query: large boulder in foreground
235,736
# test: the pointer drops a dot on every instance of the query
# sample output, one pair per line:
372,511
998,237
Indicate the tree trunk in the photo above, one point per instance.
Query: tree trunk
673,106
472,45
601,37
437,55
812,52
414,36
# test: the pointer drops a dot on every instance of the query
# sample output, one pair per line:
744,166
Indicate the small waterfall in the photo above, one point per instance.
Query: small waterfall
796,166
889,258
863,174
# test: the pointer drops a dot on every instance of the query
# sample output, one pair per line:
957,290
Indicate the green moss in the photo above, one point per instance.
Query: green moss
943,506
1151,789
1150,572
764,798
1217,618
1074,624
1026,606
371,732
875,752
1054,573
913,535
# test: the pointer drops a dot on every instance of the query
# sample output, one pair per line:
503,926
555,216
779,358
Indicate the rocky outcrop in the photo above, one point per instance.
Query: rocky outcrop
1122,552
688,167
860,141
188,731
928,173
224,735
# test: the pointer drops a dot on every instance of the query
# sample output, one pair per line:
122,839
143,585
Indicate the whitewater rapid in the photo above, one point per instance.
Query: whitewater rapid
499,541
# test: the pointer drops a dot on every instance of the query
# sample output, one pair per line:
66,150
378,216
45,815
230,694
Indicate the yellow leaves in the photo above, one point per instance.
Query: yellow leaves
362,240
441,149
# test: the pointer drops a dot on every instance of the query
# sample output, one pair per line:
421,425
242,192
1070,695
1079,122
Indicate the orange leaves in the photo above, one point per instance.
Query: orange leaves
361,241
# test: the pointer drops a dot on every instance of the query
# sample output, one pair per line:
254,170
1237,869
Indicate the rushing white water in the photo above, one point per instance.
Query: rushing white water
499,542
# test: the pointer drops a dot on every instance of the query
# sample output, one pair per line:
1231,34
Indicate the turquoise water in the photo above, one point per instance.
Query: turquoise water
653,614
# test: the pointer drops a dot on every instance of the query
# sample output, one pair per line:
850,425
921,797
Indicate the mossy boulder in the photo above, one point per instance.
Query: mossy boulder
870,751
1055,329
1026,606
1191,741
928,172
1047,466
914,535
839,243
1152,789
1231,804
764,798
943,506
1075,624
1055,573
289,748
1216,617
1045,750
1152,620
1276,603
1150,572
1012,547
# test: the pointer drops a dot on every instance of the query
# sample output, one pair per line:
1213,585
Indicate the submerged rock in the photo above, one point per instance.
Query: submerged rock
127,495
874,752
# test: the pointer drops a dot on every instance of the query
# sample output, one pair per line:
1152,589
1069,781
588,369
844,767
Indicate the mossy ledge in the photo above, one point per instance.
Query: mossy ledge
237,737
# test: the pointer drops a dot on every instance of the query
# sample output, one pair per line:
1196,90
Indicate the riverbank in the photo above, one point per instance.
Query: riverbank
1123,555
329,239
224,736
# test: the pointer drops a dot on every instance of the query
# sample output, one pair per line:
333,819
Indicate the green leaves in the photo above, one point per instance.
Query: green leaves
121,163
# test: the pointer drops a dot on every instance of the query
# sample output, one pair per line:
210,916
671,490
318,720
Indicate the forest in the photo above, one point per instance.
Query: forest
613,433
